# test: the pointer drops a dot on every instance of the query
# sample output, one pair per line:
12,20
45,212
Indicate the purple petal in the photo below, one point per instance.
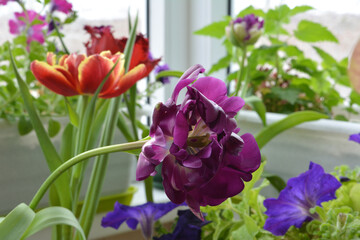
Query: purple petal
213,88
355,137
188,77
120,214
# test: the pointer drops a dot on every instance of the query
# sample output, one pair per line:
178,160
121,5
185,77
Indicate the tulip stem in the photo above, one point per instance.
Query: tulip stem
241,71
80,158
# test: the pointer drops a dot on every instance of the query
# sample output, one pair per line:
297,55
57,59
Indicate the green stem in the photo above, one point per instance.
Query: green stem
148,189
98,174
77,159
241,72
59,36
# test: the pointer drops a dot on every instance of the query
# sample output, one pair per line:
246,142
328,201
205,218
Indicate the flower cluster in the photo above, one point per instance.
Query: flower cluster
204,161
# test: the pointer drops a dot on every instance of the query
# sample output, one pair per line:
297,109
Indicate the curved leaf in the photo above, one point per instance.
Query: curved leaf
161,74
216,29
292,120
52,216
257,104
16,222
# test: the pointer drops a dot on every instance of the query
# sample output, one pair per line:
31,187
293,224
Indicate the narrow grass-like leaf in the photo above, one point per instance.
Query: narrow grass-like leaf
13,226
292,120
52,157
53,216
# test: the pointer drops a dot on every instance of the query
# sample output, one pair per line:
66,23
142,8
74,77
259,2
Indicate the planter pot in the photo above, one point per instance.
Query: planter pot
23,168
324,142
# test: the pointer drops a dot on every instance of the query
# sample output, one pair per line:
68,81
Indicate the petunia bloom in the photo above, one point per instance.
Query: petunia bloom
61,6
355,137
292,207
4,2
160,68
188,227
102,39
204,161
244,31
145,214
76,74
24,22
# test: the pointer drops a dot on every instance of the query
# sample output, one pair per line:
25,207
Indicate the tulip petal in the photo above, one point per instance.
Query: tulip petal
127,81
92,72
52,79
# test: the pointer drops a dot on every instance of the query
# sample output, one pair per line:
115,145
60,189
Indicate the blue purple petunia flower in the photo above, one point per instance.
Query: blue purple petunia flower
355,137
292,207
145,214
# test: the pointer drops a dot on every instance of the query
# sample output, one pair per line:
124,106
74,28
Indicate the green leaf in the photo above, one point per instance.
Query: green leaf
73,116
53,216
287,94
326,57
222,63
275,180
309,31
300,9
24,126
257,104
216,29
251,10
53,127
270,131
13,226
52,157
255,177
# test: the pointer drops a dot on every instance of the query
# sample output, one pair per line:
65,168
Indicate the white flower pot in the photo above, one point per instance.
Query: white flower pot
323,141
23,168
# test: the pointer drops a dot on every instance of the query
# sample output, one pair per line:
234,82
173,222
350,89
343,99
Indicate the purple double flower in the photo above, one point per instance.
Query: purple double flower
204,161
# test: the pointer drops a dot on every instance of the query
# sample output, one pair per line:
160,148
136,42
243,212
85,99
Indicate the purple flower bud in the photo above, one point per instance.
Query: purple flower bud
244,31
204,161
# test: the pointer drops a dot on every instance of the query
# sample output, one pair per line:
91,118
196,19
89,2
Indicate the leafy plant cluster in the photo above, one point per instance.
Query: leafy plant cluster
48,103
242,217
279,72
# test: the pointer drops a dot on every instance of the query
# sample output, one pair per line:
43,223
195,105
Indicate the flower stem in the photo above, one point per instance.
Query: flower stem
66,50
80,158
148,189
241,72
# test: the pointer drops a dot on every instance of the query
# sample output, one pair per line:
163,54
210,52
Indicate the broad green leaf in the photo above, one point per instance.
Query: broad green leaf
300,9
287,94
355,97
257,104
326,57
216,29
53,216
222,63
270,131
161,74
251,10
53,127
13,226
24,126
66,146
309,31
255,177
